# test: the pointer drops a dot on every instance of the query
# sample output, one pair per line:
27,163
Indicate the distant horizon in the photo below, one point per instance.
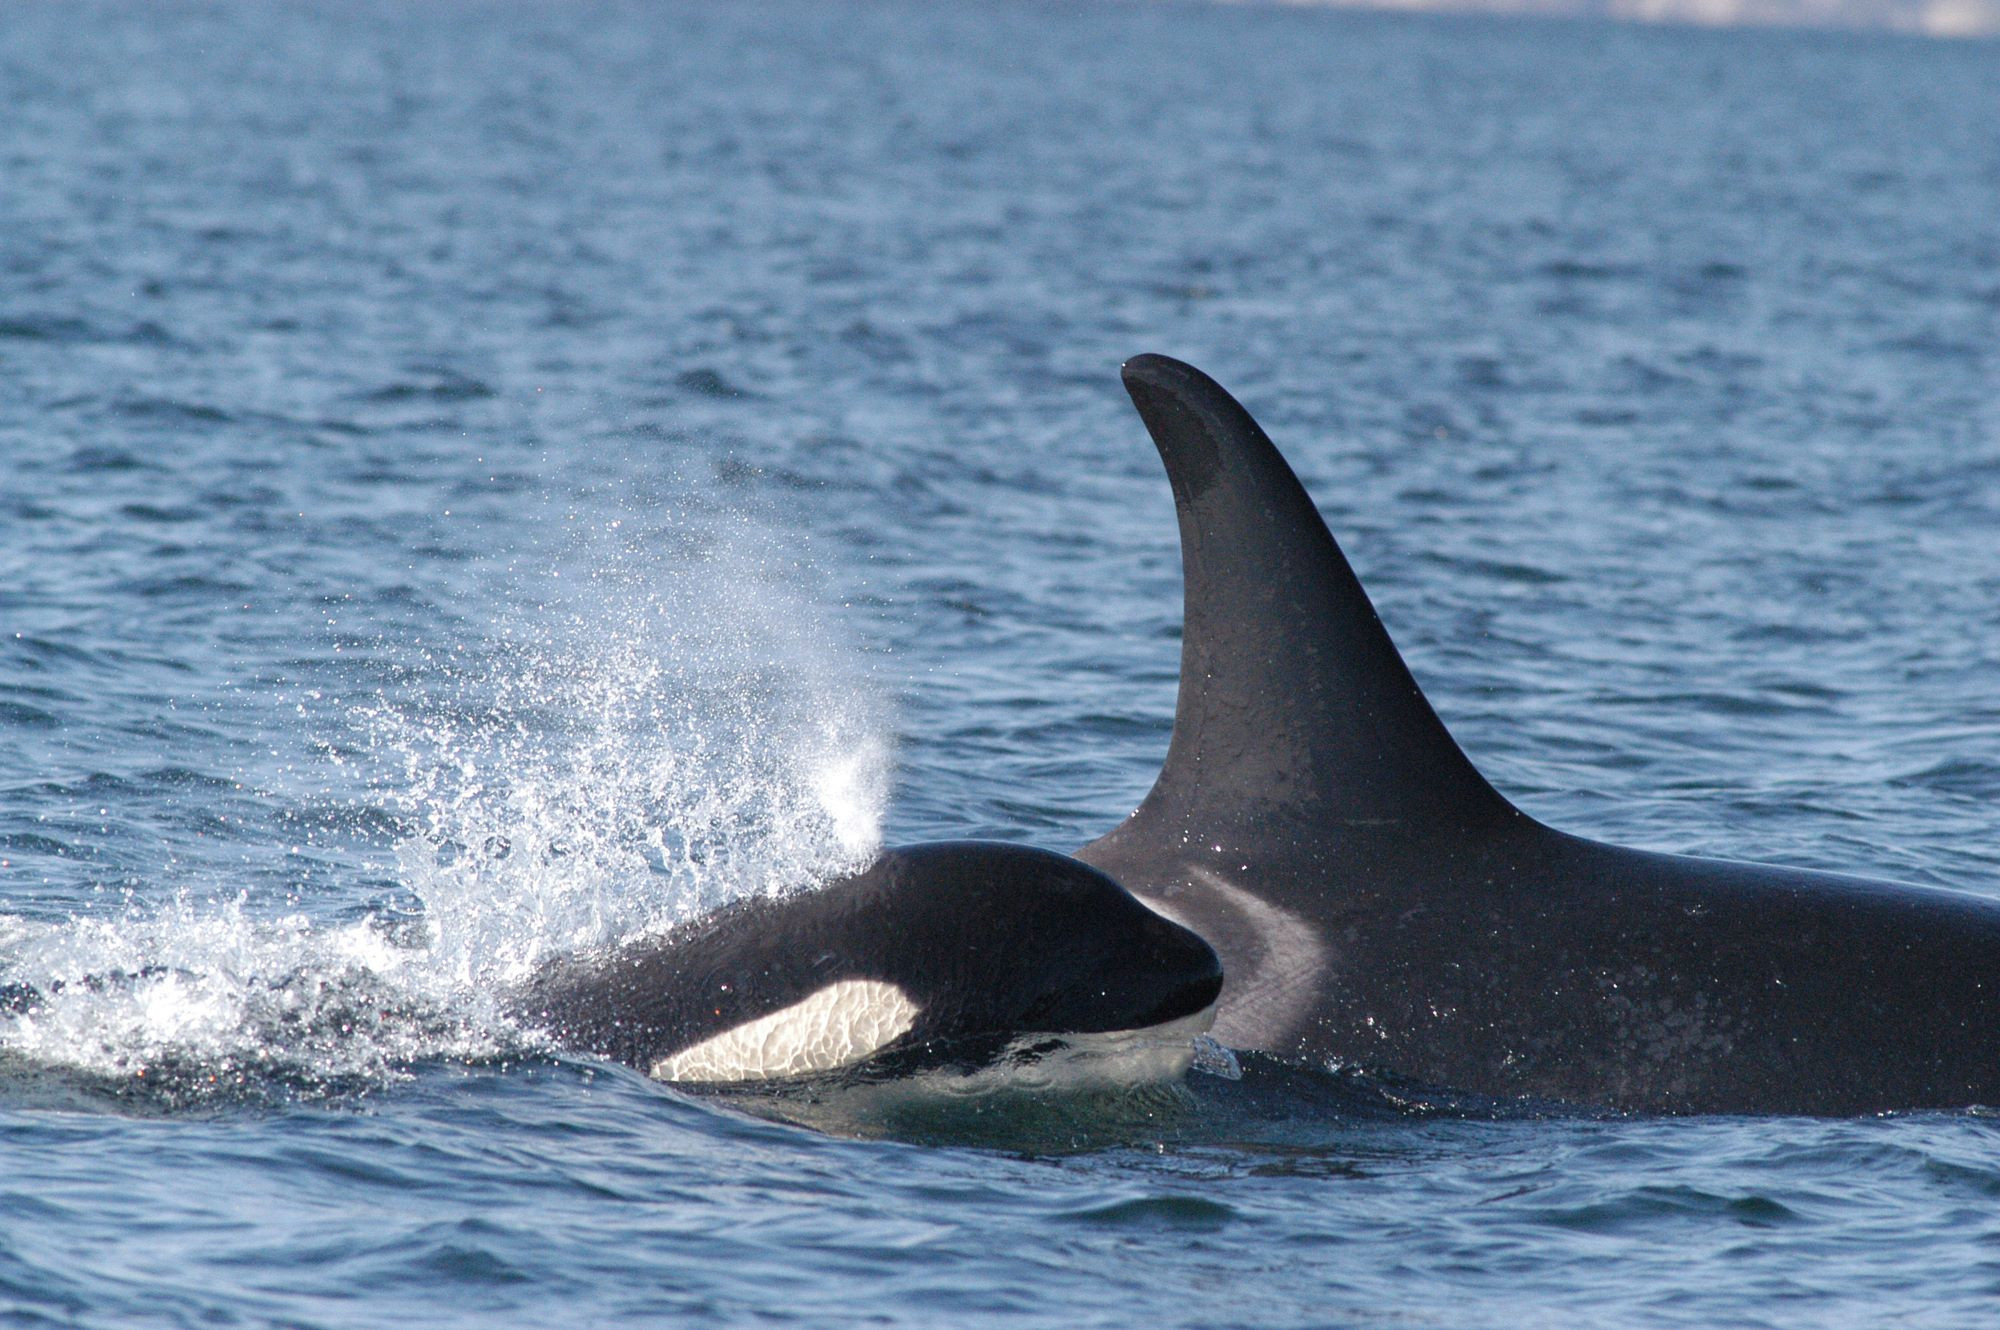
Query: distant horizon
1951,19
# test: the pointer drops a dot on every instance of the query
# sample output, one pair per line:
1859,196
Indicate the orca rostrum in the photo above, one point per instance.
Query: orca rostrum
1378,904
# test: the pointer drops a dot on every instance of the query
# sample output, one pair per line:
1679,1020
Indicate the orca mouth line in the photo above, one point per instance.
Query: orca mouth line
1112,1059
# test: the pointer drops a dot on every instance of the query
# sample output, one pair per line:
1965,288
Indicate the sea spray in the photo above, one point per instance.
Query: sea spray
654,726
645,746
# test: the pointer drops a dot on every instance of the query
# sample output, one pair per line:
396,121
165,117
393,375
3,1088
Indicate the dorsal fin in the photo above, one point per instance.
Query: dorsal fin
1296,712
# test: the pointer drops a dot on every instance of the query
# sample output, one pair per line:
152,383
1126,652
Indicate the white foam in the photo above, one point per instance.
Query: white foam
840,1025
643,737
200,998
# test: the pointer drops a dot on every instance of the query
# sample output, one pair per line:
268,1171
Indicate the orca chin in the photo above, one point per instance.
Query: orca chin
1377,903
949,956
1120,1058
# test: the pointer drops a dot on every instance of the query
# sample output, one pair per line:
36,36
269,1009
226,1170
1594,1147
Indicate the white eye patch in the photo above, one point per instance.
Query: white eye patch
838,1026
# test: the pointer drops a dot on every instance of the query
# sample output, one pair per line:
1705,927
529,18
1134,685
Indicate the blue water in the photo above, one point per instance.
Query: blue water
481,479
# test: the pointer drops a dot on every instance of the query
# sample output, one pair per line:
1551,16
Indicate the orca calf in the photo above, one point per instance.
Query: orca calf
1377,903
942,956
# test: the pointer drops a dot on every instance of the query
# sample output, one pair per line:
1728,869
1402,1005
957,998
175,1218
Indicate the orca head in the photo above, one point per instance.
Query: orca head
996,942
950,956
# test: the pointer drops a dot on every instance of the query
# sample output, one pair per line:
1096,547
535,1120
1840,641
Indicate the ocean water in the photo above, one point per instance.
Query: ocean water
481,479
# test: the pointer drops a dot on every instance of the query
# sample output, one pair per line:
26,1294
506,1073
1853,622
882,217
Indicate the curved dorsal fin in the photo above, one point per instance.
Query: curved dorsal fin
1296,712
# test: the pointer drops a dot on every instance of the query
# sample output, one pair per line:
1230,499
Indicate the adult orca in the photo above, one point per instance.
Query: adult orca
950,955
1377,903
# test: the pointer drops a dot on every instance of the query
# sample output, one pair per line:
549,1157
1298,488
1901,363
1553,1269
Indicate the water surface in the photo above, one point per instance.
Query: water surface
480,479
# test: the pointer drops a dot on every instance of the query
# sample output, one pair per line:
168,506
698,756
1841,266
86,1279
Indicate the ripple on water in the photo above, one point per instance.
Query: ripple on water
1188,1214
24,716
1643,1209
1973,778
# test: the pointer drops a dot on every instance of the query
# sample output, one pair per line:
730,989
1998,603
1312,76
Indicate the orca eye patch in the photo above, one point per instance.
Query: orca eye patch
842,1024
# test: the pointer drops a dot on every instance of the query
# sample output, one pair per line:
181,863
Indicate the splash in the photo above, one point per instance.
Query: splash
646,729
197,1003
638,750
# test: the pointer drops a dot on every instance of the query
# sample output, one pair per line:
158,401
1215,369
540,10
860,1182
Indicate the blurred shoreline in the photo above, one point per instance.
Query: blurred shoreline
1927,18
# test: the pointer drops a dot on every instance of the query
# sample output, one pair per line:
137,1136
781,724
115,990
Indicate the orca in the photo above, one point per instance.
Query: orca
1378,904
955,956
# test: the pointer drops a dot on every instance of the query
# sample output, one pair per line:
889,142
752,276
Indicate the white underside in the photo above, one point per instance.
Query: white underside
849,1022
1111,1061
838,1026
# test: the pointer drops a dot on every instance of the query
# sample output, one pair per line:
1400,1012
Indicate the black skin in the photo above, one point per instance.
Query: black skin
1377,903
992,941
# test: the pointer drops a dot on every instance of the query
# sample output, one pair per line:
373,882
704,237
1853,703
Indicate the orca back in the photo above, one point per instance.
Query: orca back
1377,903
